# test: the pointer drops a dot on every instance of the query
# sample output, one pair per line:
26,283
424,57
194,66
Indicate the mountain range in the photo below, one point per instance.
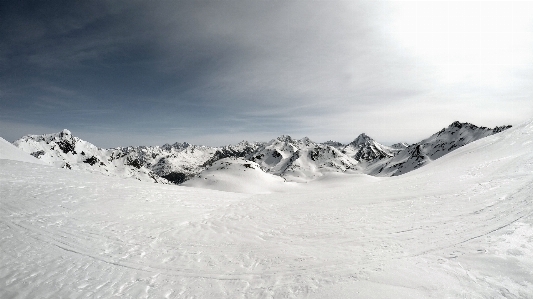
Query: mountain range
297,160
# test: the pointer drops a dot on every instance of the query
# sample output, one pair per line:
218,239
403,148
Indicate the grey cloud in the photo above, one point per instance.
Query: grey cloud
290,53
224,68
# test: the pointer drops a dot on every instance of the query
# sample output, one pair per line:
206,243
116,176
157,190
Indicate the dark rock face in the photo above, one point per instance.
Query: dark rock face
500,129
134,162
176,177
229,152
66,146
91,161
37,154
314,154
370,152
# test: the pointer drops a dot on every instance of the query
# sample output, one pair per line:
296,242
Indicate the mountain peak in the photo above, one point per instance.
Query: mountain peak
175,145
361,139
459,125
65,133
333,143
305,141
285,138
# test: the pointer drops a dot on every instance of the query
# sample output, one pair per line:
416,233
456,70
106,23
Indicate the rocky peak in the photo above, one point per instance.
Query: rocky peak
361,139
460,125
285,138
176,145
65,132
455,124
305,141
501,128
333,143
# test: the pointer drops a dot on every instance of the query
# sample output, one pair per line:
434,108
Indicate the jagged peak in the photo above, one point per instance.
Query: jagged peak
243,143
455,124
333,143
305,140
361,139
181,145
459,125
285,138
175,145
501,128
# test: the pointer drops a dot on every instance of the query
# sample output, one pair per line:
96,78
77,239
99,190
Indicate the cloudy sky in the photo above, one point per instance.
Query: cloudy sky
120,73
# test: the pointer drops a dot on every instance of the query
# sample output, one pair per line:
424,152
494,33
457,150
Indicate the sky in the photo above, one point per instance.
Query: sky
120,73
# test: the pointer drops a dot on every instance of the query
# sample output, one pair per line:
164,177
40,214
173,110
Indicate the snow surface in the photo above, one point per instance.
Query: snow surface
239,175
459,227
10,152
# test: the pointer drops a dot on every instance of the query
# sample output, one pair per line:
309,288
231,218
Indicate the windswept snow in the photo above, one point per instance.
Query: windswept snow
459,227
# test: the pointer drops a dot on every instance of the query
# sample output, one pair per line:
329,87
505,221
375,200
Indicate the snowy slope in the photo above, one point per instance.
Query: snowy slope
9,152
437,145
238,175
461,226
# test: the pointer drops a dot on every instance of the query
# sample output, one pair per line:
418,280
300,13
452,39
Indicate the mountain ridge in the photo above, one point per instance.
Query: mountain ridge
292,159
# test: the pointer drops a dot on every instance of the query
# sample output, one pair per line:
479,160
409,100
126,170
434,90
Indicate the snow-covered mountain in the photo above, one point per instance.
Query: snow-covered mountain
66,151
292,159
300,160
162,164
366,150
437,145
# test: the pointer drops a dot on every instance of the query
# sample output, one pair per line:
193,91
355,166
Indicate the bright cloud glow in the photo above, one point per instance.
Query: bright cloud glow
479,43
218,72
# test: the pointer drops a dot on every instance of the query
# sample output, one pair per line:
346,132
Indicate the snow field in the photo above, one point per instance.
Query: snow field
460,227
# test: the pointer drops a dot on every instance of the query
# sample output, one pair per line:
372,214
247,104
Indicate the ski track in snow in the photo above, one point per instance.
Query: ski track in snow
461,227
